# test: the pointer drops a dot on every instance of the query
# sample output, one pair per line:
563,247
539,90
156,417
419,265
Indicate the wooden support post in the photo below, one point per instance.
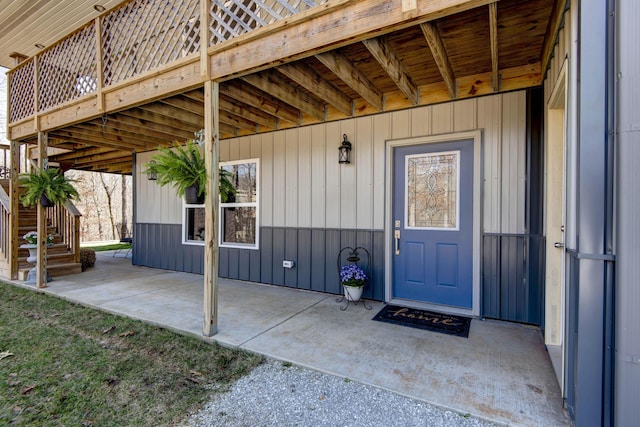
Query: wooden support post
14,205
205,63
41,266
211,150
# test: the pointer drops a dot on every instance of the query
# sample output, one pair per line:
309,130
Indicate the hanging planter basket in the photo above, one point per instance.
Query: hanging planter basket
191,196
45,202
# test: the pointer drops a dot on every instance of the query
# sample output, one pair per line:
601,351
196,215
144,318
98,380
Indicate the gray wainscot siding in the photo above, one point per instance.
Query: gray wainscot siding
314,251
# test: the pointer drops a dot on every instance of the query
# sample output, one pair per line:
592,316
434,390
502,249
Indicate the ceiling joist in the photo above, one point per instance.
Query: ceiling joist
493,35
431,33
339,65
383,53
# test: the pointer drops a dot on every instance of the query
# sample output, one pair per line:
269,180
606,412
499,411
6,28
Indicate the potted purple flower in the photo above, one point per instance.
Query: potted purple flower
353,279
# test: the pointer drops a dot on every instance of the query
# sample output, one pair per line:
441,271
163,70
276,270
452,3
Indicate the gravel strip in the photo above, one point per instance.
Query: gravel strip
278,394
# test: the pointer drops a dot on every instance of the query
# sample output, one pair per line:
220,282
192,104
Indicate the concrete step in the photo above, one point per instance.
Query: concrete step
54,270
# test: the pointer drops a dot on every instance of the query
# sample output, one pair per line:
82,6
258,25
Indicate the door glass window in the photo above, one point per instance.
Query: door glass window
431,183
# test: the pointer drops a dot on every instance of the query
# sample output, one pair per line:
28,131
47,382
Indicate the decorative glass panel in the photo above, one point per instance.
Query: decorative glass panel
432,190
239,225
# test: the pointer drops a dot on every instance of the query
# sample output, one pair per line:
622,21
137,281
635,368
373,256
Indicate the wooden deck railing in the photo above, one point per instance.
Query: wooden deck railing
137,37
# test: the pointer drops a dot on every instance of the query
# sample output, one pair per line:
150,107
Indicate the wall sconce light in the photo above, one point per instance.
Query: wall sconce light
151,172
344,151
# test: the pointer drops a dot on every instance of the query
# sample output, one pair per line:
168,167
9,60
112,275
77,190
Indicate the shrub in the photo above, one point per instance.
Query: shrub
87,258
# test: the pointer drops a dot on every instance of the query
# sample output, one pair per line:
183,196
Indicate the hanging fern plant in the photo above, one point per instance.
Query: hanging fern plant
50,183
183,167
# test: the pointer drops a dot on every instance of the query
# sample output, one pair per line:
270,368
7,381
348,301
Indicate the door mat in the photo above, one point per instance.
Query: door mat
422,319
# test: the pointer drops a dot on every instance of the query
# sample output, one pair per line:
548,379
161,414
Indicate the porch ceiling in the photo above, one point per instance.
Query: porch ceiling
499,47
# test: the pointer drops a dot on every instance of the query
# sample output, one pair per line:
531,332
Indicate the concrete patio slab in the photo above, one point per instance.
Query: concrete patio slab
502,372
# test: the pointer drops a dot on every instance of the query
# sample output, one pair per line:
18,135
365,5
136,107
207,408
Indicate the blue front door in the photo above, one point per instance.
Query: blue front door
432,223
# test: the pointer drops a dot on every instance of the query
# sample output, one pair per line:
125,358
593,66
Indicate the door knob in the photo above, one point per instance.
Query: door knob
396,236
558,245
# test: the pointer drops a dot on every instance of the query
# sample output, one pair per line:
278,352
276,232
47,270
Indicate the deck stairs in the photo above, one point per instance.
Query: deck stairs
60,257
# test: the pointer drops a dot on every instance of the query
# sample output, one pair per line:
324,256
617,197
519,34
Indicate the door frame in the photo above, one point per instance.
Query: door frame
476,136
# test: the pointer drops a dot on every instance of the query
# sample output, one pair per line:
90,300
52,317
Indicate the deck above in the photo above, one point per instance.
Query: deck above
132,78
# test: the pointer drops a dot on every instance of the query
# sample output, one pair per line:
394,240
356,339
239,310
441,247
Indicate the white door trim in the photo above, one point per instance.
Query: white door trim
476,135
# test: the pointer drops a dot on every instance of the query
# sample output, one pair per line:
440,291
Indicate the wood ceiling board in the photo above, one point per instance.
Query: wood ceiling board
522,26
43,22
466,39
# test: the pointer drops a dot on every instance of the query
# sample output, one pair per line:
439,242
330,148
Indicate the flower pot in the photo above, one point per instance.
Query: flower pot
33,252
353,293
45,202
191,196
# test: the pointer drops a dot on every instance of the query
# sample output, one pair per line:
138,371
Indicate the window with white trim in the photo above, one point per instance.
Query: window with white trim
238,216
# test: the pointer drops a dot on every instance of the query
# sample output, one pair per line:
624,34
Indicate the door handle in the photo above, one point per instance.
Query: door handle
396,236
558,245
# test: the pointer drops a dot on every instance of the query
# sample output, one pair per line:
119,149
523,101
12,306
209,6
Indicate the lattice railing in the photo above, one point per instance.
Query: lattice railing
21,98
139,36
67,70
231,18
143,35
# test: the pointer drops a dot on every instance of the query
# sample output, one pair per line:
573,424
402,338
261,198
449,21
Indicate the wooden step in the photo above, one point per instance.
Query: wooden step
52,259
54,270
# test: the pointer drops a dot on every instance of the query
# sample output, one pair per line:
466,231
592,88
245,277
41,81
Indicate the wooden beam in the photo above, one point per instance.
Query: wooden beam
493,35
41,263
256,115
386,57
211,155
315,83
14,193
124,125
259,99
557,14
431,33
236,108
83,152
339,65
96,138
323,28
272,83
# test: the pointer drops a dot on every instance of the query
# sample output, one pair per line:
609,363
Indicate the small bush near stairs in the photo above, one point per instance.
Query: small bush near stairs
87,258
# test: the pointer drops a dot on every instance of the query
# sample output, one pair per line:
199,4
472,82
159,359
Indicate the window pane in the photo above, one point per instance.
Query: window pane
243,178
239,225
195,224
432,190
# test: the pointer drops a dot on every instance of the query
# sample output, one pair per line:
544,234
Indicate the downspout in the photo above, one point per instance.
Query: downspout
609,229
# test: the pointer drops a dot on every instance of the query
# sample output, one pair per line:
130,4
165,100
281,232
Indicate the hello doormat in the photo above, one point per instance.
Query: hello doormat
422,319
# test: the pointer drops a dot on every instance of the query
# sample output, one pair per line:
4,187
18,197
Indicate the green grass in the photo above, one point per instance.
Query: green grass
110,247
75,366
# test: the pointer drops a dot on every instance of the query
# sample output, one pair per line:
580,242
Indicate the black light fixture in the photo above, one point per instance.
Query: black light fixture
344,151
151,172
39,45
99,8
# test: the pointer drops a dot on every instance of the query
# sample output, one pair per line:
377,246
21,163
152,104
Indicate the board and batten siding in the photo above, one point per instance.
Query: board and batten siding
305,192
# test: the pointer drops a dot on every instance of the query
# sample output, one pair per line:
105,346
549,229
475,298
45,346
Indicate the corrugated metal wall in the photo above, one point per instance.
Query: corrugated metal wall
311,206
302,184
627,320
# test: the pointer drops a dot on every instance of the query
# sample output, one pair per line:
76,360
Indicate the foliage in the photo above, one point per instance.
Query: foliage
184,166
49,182
109,247
32,238
70,365
352,275
87,258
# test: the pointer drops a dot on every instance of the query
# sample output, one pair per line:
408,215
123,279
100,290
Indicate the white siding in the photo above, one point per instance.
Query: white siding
155,204
302,184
